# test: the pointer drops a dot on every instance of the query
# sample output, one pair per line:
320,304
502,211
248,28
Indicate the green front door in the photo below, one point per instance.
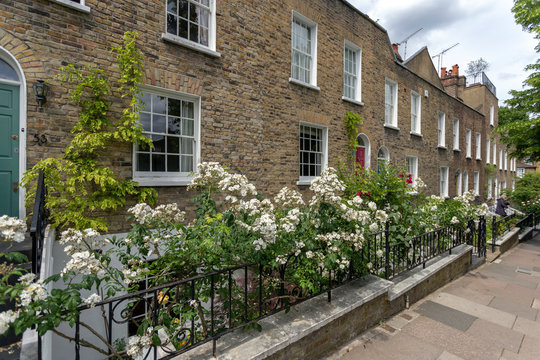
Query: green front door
9,150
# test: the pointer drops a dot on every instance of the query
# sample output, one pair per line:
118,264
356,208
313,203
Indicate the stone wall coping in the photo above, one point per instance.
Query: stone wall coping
74,5
412,278
283,329
509,235
525,233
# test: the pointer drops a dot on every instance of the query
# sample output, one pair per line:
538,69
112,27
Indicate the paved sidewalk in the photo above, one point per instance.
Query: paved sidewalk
489,313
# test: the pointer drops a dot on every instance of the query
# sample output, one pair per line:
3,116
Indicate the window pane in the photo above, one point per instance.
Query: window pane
173,163
187,163
187,109
158,162
159,104
159,124
183,9
171,6
174,107
172,24
193,32
193,13
187,127
159,143
143,162
147,100
183,29
7,72
174,125
145,121
187,146
173,145
203,39
143,146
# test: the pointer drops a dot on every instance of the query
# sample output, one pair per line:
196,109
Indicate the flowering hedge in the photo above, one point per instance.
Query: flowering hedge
233,225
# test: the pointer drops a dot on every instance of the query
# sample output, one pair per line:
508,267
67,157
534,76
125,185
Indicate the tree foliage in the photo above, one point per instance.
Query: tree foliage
475,67
520,127
80,186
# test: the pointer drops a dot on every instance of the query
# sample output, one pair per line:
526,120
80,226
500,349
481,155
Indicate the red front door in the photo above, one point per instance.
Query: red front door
361,156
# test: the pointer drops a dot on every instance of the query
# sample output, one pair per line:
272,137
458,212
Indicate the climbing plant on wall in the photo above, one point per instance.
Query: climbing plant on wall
81,187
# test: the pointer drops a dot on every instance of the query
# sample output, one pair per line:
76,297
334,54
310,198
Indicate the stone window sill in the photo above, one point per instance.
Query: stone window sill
73,5
416,134
306,181
162,181
190,45
301,83
352,101
393,127
442,147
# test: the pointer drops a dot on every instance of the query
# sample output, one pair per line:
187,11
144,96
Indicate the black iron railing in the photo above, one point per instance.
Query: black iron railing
525,223
481,78
40,216
204,308
500,227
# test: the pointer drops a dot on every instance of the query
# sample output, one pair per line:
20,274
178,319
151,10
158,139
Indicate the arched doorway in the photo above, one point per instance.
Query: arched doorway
363,151
12,136
383,157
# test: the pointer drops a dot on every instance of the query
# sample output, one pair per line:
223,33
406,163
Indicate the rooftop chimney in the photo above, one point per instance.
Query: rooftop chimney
455,70
444,73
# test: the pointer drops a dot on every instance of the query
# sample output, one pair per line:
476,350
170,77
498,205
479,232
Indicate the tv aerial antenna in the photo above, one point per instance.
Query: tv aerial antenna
404,41
440,56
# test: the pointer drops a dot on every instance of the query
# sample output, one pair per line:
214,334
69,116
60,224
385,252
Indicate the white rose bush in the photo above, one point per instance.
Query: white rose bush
240,257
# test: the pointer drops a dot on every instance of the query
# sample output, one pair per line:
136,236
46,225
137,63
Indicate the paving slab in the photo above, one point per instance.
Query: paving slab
448,356
480,311
452,340
528,327
496,335
536,303
470,294
530,347
514,308
446,315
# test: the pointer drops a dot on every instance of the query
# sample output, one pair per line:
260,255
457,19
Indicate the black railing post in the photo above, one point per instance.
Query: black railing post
493,234
387,251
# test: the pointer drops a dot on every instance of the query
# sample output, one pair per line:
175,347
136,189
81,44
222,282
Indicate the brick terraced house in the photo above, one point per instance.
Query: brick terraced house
260,86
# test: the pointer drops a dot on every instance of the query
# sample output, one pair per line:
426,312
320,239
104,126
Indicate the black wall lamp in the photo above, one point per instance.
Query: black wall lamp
40,90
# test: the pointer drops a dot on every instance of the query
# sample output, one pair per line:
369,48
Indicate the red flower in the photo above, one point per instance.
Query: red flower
409,180
401,175
359,193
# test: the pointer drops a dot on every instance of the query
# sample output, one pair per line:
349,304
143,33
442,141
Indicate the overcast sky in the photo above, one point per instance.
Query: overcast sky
483,28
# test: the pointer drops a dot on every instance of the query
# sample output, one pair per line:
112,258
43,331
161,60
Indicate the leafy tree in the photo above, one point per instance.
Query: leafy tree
476,67
527,193
521,125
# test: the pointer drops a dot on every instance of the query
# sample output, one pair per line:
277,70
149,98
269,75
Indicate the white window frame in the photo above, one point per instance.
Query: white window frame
490,188
306,180
488,150
209,49
503,185
149,178
513,185
385,158
465,181
357,99
412,167
468,145
80,6
505,160
500,159
494,153
520,172
391,120
441,129
459,185
478,146
497,189
416,118
456,134
302,20
476,183
443,183
492,115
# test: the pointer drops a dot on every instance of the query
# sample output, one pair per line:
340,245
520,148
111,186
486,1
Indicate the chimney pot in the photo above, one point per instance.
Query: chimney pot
455,70
395,48
443,72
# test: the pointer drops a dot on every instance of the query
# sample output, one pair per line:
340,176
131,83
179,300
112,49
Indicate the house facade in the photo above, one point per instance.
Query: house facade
263,89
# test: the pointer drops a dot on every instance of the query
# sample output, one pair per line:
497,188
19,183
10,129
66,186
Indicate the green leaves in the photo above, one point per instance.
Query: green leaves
81,186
